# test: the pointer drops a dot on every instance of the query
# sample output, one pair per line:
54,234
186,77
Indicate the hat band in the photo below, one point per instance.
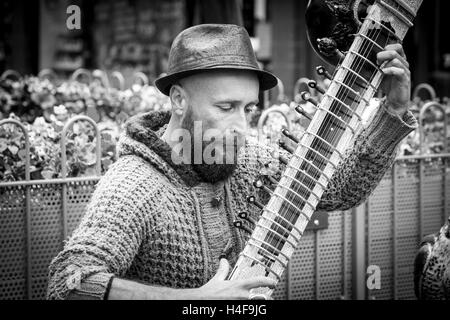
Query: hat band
231,60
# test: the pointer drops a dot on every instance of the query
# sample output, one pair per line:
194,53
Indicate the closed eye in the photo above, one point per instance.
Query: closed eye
225,106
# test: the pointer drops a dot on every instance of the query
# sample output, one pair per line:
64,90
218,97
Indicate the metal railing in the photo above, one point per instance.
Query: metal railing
11,211
410,202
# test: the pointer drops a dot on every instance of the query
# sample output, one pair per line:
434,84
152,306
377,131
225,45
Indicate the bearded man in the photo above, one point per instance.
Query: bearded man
160,222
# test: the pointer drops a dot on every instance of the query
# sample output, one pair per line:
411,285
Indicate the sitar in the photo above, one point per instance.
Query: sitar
349,34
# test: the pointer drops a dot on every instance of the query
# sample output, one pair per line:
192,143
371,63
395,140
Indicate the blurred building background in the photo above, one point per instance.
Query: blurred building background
129,35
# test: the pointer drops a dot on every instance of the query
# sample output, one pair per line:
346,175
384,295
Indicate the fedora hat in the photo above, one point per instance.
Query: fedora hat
211,47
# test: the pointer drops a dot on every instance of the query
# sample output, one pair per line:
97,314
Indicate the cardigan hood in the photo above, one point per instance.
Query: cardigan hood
142,137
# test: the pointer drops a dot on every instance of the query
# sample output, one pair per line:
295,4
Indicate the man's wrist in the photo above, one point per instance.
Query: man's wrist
166,293
122,289
387,129
185,294
396,108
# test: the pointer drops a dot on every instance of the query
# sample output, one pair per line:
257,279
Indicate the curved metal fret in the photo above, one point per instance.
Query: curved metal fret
279,235
385,28
278,251
283,218
284,228
327,143
270,254
294,205
352,90
314,166
316,152
267,268
339,119
353,113
360,77
298,195
309,176
370,40
365,59
303,184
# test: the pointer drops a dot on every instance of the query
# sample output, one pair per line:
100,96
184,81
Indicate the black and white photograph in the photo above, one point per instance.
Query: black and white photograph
236,151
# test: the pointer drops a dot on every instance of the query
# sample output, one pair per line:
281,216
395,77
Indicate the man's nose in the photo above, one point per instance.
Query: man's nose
240,123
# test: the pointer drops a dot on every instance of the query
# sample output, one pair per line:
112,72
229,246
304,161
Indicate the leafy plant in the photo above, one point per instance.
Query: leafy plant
44,108
31,97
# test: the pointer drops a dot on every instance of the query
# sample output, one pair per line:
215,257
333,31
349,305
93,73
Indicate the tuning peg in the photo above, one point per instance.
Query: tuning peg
306,96
252,200
238,224
269,169
287,134
276,155
268,175
283,145
245,216
303,112
321,71
272,180
313,85
259,184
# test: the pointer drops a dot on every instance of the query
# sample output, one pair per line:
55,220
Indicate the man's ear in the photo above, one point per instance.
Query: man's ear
178,98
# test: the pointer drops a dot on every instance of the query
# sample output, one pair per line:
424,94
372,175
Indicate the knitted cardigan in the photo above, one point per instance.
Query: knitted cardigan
156,222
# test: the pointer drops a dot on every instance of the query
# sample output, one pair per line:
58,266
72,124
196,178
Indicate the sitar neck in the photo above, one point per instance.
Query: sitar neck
322,147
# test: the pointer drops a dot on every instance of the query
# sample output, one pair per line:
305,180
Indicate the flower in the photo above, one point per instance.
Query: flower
61,112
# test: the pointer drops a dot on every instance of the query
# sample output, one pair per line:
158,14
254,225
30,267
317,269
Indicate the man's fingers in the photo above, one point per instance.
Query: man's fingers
258,282
396,47
222,271
395,71
398,64
389,55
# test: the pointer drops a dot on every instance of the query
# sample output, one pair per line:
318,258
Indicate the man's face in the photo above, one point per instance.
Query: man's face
218,104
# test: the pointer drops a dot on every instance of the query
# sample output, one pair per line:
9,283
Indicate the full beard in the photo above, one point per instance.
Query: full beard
218,170
215,172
